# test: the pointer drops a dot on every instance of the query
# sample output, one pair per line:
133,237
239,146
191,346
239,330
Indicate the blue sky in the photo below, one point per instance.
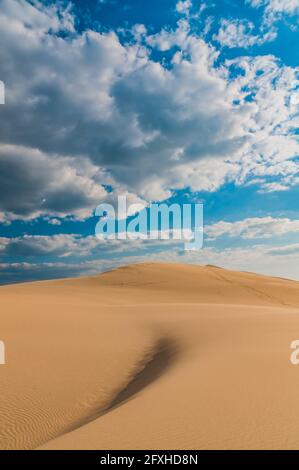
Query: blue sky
165,100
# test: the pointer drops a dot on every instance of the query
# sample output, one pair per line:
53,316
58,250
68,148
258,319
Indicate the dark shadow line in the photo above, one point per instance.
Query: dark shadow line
150,368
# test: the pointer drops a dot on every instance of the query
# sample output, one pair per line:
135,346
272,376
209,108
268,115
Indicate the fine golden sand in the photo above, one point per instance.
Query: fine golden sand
150,356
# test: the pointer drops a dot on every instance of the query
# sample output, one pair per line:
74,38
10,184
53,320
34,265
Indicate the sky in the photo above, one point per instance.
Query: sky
161,101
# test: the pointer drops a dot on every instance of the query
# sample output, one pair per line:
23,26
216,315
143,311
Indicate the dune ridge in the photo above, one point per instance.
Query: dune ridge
151,356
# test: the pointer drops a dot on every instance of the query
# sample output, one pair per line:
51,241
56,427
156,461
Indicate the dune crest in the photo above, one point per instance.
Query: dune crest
151,356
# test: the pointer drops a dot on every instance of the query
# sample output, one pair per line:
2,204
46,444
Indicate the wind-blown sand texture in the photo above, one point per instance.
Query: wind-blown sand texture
150,356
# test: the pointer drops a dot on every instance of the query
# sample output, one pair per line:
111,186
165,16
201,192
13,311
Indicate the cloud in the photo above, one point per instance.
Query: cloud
34,183
183,6
167,38
261,259
53,220
26,258
55,247
240,33
272,90
73,246
283,6
42,246
275,10
289,7
84,109
34,15
258,258
24,272
253,228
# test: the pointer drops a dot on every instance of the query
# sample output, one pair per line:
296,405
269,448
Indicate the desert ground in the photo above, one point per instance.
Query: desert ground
150,356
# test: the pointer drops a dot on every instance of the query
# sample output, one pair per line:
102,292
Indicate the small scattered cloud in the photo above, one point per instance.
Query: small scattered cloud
240,33
183,6
275,10
253,228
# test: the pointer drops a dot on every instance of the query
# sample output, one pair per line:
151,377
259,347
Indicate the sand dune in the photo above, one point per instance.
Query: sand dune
152,356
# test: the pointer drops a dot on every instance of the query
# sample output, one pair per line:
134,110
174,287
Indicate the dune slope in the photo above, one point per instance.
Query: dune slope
151,356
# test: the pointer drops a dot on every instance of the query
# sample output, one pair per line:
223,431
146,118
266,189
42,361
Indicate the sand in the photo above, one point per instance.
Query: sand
150,356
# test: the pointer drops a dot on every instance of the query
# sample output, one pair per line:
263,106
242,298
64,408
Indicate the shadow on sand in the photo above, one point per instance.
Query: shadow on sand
151,367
